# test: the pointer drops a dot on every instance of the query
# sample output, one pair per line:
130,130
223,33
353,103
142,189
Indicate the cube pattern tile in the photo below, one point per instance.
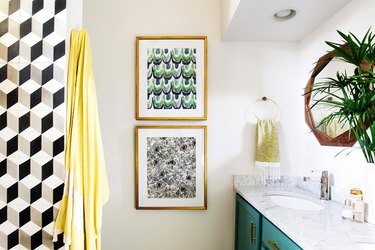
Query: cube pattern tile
32,118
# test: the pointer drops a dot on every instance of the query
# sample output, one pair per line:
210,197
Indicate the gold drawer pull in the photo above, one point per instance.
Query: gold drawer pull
253,227
272,245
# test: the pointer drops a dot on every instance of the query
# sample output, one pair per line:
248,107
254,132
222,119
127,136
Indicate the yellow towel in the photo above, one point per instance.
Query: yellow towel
335,128
86,188
267,154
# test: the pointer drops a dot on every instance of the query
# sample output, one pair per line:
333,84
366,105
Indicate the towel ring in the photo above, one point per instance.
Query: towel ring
265,99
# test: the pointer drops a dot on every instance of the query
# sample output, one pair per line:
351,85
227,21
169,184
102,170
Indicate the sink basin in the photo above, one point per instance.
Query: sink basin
361,246
295,203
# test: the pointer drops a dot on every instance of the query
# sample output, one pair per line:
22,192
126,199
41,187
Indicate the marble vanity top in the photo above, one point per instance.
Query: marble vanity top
311,230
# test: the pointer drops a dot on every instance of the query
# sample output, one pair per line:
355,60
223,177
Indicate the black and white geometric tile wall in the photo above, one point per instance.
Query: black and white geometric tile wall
32,118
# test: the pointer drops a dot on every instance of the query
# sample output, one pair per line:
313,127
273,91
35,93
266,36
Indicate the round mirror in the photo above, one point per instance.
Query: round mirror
334,133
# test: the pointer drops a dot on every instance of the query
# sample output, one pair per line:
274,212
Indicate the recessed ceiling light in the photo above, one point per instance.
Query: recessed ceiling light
284,15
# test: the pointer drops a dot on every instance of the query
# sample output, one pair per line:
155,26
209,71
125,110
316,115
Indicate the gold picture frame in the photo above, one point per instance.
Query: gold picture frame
171,167
171,78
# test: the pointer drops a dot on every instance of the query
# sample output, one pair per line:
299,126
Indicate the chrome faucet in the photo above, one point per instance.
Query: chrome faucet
324,185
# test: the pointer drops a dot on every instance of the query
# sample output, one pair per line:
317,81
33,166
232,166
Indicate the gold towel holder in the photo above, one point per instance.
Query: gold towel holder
266,99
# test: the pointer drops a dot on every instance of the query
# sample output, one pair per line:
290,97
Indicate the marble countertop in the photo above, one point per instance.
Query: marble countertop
311,230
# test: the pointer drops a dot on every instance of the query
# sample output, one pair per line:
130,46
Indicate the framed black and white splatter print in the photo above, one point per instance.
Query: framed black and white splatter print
171,167
171,78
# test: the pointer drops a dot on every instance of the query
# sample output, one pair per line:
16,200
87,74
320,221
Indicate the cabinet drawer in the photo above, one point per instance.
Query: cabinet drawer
274,239
248,221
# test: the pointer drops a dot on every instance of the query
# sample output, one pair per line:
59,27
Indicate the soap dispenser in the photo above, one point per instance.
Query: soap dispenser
358,205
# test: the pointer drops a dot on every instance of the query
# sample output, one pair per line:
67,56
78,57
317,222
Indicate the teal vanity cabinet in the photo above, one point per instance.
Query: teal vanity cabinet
256,232
248,222
274,239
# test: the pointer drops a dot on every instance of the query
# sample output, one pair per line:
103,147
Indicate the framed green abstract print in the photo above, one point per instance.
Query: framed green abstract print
171,78
171,167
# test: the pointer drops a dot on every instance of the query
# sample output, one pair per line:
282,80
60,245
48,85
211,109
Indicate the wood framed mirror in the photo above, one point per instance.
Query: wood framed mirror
337,134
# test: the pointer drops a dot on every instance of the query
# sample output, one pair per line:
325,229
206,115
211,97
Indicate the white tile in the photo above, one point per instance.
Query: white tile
59,120
4,7
41,154
14,26
19,202
58,168
12,120
7,228
26,7
7,181
49,5
60,23
8,39
6,134
7,86
29,134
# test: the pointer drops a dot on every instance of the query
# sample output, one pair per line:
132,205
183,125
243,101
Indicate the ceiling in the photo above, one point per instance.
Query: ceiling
253,20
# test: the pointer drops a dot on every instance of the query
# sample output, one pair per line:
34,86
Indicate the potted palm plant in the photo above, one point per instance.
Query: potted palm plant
351,97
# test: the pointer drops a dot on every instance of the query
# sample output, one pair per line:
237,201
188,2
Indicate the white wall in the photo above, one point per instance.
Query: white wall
348,171
238,74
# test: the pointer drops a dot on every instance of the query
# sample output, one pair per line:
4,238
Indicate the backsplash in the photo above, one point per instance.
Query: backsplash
337,194
32,120
251,180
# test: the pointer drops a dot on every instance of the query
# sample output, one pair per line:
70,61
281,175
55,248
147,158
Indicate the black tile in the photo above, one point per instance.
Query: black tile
48,27
13,239
60,5
3,120
59,50
58,146
24,169
4,27
36,239
14,5
24,216
59,243
58,98
25,28
12,98
24,122
47,74
36,193
47,122
24,74
47,170
36,145
12,145
13,50
47,217
37,6
3,167
12,192
3,214
36,97
3,73
36,50
58,193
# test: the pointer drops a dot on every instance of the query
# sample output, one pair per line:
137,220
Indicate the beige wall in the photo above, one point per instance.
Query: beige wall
238,74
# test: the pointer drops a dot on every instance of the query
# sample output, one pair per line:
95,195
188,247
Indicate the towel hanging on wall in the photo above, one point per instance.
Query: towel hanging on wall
267,153
86,187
